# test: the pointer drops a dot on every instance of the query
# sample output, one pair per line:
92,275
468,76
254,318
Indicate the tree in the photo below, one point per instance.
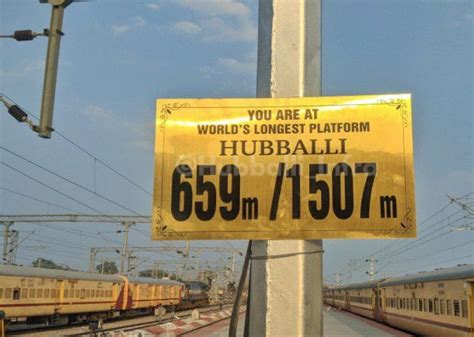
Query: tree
107,267
152,273
48,264
174,277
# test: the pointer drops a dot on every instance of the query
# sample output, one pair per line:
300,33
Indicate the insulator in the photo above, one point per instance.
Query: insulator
24,35
16,112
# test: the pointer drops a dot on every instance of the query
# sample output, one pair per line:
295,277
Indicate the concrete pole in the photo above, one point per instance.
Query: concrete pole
92,256
124,248
286,292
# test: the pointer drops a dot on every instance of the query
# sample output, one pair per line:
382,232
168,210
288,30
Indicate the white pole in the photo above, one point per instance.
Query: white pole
286,292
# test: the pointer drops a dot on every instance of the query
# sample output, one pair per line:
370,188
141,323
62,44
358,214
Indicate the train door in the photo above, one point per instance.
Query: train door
347,305
378,305
470,301
57,296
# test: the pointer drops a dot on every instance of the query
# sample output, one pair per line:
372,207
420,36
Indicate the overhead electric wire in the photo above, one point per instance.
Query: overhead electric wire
429,255
386,249
87,152
38,200
437,263
50,187
69,180
68,230
423,240
450,203
399,241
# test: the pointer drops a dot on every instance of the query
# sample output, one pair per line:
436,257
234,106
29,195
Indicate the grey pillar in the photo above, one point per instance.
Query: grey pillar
286,293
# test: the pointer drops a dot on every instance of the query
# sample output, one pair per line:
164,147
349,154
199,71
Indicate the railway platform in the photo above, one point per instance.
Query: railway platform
337,323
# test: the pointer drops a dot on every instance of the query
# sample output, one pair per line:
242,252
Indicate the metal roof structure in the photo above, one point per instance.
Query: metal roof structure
9,270
460,272
136,279
360,285
443,274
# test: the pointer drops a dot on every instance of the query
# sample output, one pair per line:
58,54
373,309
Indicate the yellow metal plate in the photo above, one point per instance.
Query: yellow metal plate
284,168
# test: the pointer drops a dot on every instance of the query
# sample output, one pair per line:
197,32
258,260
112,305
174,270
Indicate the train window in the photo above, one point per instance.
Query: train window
101,292
88,293
83,293
420,304
16,293
66,293
53,293
457,309
93,293
77,293
430,305
441,307
412,304
1,292
24,293
449,308
464,308
425,305
436,306
32,293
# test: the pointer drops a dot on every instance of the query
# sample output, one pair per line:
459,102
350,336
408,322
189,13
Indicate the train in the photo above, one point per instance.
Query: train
438,303
49,296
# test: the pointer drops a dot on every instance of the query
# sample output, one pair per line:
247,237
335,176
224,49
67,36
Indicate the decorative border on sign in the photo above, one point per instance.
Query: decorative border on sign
401,106
169,108
165,112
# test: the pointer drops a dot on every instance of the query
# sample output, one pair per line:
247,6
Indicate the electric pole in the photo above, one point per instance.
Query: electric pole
371,271
289,65
6,240
51,69
123,256
469,214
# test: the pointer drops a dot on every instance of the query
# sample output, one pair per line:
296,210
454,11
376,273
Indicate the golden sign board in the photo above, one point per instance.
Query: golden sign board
284,168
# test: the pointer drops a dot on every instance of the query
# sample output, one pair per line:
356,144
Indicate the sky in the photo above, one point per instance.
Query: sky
118,57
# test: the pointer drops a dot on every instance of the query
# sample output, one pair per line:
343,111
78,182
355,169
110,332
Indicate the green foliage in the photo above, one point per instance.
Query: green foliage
109,267
48,264
151,273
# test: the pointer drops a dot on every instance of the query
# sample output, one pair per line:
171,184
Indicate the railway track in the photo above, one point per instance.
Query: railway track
122,325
